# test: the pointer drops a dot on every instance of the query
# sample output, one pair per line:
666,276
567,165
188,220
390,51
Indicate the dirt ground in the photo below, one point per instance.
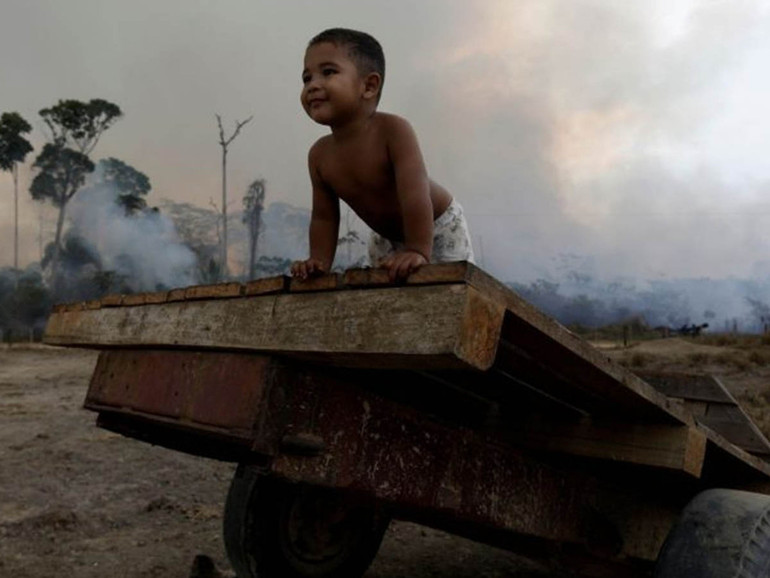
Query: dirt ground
82,502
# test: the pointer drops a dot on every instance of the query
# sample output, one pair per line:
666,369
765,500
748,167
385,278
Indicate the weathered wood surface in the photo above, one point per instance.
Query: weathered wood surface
671,447
443,316
426,326
450,316
712,405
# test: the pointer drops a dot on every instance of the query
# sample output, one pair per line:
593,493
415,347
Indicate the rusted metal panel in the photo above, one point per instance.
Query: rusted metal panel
215,388
436,472
324,427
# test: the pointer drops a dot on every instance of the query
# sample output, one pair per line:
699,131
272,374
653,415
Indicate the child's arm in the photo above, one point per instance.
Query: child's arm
413,190
324,226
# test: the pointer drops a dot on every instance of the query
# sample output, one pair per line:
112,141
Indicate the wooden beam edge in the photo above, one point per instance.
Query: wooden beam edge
480,327
720,443
670,447
525,311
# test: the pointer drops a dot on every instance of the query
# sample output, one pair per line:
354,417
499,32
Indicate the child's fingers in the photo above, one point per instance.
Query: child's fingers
299,269
314,267
399,269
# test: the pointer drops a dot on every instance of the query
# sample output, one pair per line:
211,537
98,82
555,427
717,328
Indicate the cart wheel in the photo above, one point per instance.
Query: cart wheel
721,534
276,529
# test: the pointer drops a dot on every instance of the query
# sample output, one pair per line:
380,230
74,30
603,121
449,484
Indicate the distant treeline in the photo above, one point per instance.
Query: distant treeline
723,304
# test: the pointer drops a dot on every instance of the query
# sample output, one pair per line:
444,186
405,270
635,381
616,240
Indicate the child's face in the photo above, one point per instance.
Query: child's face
332,87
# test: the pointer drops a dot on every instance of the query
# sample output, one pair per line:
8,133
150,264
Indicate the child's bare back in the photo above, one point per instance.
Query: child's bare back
372,161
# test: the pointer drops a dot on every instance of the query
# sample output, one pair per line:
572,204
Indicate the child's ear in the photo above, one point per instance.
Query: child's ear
372,84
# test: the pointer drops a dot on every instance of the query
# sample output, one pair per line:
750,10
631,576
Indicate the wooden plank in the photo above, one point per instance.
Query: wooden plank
267,285
733,423
456,272
177,294
567,358
320,283
582,365
134,299
482,323
687,386
218,291
114,300
156,297
672,447
713,406
421,326
734,456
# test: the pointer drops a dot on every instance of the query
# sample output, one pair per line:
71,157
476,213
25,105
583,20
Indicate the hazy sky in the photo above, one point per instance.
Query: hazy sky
635,133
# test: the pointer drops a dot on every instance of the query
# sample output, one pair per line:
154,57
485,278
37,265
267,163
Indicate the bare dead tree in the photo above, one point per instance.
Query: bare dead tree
224,142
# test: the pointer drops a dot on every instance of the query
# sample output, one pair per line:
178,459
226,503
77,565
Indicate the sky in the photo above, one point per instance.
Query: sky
630,137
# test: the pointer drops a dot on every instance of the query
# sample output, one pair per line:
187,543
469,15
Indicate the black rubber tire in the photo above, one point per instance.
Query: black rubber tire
720,534
276,529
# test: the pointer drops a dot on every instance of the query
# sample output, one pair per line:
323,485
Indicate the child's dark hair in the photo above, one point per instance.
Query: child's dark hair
363,49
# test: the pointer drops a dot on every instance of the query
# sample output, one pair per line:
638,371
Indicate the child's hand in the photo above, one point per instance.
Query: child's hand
308,268
401,264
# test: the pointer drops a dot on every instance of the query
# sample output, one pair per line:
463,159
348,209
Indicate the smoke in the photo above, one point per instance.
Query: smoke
598,128
144,248
574,291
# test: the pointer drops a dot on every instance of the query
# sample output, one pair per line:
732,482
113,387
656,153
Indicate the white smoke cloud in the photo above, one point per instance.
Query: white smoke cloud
144,248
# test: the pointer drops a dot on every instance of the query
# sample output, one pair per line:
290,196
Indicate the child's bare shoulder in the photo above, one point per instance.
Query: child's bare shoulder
392,122
396,131
320,145
316,152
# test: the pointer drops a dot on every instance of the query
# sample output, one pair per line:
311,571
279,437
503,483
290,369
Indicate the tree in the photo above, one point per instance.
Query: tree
63,164
129,184
253,203
62,171
760,312
197,228
13,150
80,125
225,143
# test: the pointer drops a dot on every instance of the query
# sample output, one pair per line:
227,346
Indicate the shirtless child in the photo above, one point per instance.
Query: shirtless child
372,161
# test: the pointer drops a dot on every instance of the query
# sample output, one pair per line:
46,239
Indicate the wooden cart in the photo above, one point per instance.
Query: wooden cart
446,400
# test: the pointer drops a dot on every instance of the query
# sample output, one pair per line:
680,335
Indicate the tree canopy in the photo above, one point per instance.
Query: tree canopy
130,185
64,162
13,146
62,171
78,124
